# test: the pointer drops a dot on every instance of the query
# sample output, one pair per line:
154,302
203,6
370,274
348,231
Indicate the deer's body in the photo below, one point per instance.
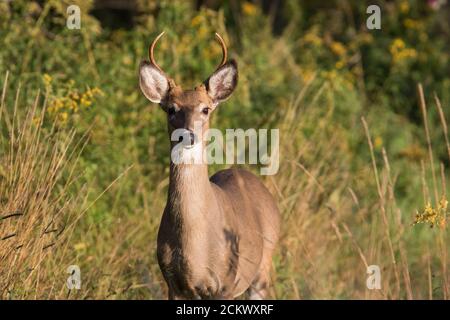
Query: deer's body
217,235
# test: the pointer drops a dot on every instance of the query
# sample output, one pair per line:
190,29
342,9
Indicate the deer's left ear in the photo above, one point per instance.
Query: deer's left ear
220,85
153,82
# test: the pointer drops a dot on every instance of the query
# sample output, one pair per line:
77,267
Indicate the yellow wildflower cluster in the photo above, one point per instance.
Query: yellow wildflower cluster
413,24
330,75
364,38
404,6
339,64
307,74
378,142
202,27
197,20
400,52
338,48
413,152
249,9
433,216
47,80
312,38
70,102
80,246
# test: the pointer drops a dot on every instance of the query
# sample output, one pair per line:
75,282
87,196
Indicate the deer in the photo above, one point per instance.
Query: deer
217,235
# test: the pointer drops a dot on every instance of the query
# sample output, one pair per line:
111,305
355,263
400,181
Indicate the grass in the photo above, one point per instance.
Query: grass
37,210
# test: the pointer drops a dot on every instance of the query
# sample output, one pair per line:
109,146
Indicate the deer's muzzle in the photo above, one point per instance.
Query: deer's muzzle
188,139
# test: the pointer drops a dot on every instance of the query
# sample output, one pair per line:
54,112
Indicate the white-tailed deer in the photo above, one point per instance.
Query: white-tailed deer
217,235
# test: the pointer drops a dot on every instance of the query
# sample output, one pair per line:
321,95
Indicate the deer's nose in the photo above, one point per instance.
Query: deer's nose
190,137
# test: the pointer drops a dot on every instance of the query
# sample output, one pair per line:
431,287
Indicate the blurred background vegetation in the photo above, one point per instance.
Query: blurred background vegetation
310,68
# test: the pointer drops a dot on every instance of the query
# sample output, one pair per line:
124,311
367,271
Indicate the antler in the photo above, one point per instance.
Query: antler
224,50
150,51
219,38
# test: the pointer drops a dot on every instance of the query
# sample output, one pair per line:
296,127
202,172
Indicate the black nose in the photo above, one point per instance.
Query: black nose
191,138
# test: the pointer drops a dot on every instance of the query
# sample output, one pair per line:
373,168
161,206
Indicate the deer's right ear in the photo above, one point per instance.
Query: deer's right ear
221,84
154,84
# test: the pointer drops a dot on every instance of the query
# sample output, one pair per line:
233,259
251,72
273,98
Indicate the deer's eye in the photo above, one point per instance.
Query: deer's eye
171,111
205,111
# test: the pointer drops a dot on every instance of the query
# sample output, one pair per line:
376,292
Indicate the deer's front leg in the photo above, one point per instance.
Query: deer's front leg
174,296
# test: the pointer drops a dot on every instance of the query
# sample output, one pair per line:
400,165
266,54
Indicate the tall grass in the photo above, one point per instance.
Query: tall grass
42,201
331,235
38,213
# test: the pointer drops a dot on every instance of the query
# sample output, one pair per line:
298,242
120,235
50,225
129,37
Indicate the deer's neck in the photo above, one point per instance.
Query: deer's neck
195,215
189,193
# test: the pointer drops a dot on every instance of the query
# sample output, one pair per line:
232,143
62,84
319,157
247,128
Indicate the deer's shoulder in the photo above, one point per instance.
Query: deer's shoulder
233,175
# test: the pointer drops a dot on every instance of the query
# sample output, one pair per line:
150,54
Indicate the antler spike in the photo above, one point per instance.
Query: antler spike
150,51
224,50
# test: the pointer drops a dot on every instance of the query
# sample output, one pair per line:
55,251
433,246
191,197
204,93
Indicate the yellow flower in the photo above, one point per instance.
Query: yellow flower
412,24
61,108
312,38
198,19
330,75
36,120
307,74
63,117
413,152
47,79
202,32
397,44
85,101
97,91
33,8
127,60
365,38
433,216
399,51
337,48
80,246
73,105
249,9
404,7
339,64
378,142
74,95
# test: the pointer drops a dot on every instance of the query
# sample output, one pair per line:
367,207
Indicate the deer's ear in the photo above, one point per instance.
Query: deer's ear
220,85
153,83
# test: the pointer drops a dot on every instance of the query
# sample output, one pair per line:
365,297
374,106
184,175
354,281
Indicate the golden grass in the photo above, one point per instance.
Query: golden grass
329,238
38,213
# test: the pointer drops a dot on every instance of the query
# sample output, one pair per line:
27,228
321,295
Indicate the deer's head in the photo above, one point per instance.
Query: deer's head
186,109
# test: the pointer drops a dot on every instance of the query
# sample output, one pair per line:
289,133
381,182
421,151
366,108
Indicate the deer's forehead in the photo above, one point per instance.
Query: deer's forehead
190,98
